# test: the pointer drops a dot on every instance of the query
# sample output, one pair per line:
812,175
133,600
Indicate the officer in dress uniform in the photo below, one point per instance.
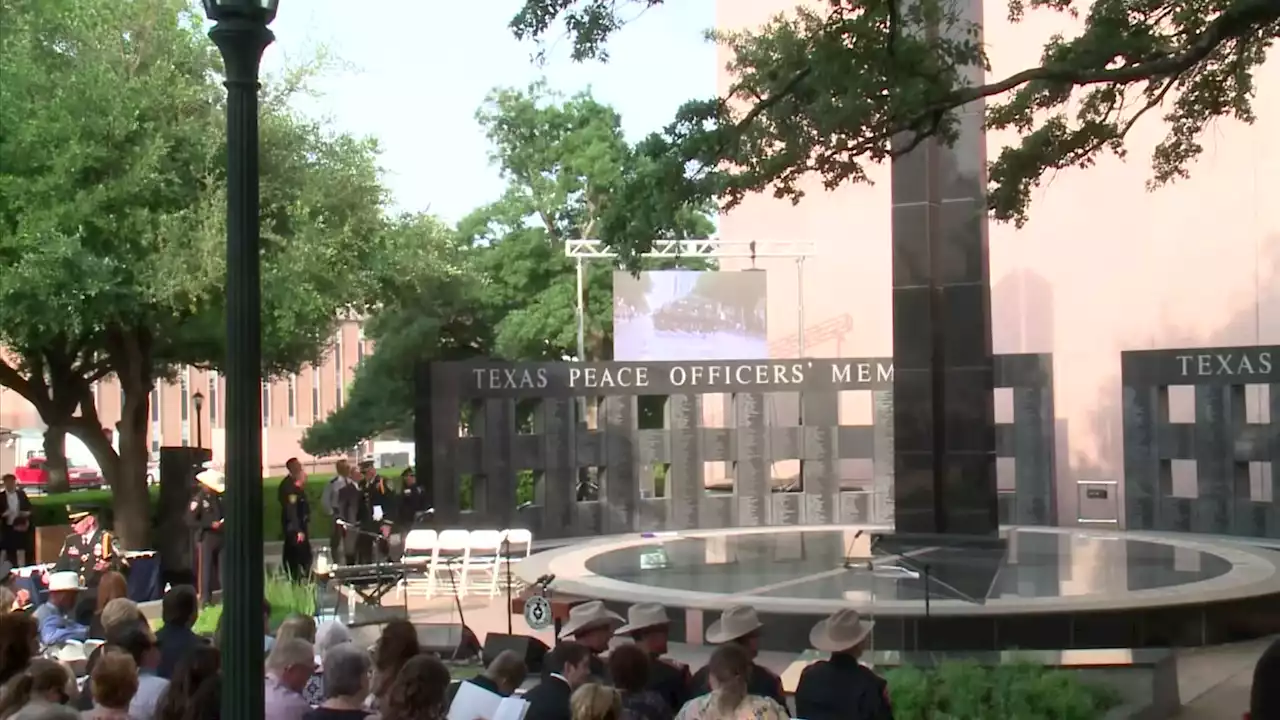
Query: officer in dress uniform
376,514
207,518
410,502
89,551
295,515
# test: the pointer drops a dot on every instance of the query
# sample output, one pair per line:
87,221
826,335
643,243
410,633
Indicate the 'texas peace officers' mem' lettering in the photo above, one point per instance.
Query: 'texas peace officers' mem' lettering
672,378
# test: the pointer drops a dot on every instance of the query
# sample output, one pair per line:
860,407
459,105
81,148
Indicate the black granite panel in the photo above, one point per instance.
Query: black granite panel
1254,442
718,444
1211,513
468,456
1037,499
911,226
970,421
424,428
787,508
1006,440
495,502
969,489
966,317
588,519
882,455
1175,441
1141,458
1202,366
963,254
684,478
651,446
751,468
913,412
912,343
527,452
913,493
555,425
821,414
620,478
652,514
855,507
853,441
784,442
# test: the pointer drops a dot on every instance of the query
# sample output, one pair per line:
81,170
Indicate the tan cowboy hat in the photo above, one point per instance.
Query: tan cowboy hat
212,479
643,616
841,631
735,622
586,616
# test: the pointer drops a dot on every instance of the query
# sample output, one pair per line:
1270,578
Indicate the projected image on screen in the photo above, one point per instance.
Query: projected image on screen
689,315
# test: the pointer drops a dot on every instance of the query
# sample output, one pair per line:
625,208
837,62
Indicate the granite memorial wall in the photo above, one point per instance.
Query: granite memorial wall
489,424
1200,448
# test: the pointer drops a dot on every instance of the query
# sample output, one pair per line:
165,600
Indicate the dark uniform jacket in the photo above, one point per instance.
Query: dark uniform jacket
842,689
411,501
375,493
548,700
82,556
762,682
204,511
669,682
295,511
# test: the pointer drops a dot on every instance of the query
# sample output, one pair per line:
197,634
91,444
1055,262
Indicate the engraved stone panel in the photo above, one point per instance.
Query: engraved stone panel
787,508
751,471
684,478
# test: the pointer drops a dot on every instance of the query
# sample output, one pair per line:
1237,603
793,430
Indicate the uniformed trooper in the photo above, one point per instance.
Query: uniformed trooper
375,516
295,516
89,551
207,517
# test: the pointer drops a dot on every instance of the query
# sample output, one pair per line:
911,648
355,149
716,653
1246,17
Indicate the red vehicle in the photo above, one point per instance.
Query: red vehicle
34,476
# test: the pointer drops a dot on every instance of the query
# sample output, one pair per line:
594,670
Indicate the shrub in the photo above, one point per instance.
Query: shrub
286,598
965,690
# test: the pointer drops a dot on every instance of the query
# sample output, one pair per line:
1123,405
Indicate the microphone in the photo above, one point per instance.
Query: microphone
524,505
342,523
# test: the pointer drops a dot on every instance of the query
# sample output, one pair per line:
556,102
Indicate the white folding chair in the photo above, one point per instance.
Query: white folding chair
449,557
483,555
518,546
419,548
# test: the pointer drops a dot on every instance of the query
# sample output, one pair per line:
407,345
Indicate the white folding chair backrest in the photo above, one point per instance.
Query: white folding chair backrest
420,543
519,543
486,542
455,541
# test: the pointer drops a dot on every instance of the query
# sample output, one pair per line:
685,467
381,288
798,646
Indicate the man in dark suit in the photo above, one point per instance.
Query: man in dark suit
649,626
179,610
295,517
842,688
1264,697
740,625
569,666
376,514
16,529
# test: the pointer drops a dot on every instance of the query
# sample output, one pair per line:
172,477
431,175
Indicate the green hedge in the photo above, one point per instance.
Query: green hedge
52,509
1017,691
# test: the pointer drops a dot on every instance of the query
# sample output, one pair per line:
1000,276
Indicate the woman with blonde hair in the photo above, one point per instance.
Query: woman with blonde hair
593,701
729,669
43,681
297,627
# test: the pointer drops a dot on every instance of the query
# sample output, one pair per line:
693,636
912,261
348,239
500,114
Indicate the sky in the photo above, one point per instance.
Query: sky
414,73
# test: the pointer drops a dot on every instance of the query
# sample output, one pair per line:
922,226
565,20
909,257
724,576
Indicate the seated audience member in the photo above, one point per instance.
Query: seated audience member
138,640
114,682
841,688
179,610
329,635
1264,698
738,625
8,600
202,663
44,681
54,617
729,675
120,613
297,627
110,587
289,666
206,704
418,691
19,643
568,667
591,624
346,684
629,667
649,627
397,644
505,675
45,711
594,701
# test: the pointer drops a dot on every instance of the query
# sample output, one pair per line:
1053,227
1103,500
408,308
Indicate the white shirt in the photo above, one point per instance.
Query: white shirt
150,688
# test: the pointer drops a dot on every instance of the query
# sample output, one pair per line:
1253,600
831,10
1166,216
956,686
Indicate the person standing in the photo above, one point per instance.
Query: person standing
295,514
89,551
841,687
333,499
16,531
411,501
207,516
375,514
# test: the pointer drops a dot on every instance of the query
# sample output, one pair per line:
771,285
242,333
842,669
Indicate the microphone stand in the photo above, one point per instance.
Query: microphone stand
506,555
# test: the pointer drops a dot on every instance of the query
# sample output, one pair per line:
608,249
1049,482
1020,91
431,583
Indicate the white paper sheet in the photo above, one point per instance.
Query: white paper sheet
511,708
475,703
377,513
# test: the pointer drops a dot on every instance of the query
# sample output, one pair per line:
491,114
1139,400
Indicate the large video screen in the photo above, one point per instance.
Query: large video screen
689,315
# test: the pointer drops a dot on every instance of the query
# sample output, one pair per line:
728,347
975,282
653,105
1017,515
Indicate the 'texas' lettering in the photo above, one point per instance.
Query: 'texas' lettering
1225,363
510,378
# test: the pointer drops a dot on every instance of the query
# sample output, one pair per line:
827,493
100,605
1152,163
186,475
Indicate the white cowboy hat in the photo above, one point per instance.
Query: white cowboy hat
643,616
586,616
841,631
212,479
735,622
65,582
70,652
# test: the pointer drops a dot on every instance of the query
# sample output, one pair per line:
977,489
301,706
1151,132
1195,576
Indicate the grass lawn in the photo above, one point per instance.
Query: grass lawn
52,510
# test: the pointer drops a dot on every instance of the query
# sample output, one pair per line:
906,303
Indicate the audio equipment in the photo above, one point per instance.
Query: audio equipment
530,648
451,641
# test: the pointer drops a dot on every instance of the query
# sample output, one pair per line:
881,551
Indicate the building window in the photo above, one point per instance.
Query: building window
338,378
293,400
360,347
184,397
155,403
212,400
266,404
315,394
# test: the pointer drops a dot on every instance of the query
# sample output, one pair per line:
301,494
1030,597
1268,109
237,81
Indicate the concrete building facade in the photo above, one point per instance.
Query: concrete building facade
290,405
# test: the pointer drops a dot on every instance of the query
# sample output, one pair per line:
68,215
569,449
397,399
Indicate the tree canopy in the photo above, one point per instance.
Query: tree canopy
112,219
563,159
826,90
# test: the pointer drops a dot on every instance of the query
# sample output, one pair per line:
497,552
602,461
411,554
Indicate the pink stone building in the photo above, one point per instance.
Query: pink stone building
290,406
1102,267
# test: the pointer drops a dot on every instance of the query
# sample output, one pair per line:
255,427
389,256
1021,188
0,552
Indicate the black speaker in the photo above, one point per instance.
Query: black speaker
174,540
451,641
533,650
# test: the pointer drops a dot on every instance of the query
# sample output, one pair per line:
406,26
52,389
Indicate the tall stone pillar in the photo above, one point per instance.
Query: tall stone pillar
943,382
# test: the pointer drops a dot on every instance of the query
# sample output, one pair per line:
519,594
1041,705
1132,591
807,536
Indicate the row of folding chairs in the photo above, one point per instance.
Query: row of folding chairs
462,561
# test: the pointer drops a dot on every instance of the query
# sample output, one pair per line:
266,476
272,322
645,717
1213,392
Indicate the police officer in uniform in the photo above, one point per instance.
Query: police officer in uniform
207,517
376,514
295,514
89,551
410,502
